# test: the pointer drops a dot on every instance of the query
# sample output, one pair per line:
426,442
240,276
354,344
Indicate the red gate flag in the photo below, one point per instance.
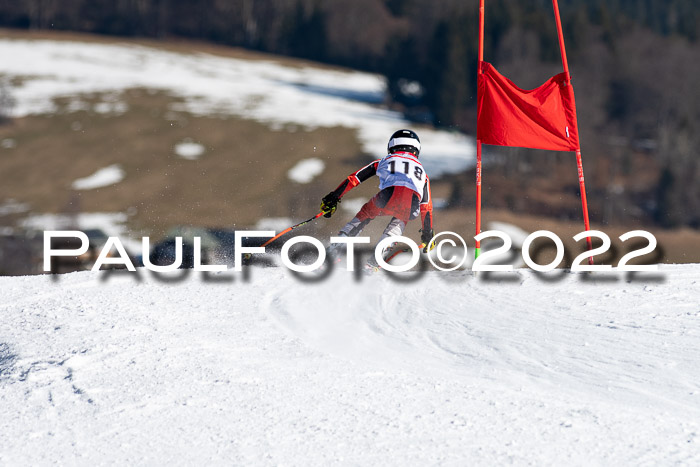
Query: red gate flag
543,118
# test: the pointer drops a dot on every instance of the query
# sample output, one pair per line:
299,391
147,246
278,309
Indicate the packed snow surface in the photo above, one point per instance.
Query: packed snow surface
100,368
306,170
279,95
100,179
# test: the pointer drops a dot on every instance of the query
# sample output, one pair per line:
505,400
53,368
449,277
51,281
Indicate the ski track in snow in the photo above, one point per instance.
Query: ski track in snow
100,368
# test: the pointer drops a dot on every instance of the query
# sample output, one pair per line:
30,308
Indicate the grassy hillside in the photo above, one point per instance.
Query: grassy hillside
242,175
240,178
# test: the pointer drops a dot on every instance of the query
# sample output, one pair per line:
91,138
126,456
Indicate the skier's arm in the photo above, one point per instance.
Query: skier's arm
355,179
331,200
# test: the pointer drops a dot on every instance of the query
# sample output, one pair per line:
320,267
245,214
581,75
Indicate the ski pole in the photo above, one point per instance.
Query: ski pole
291,228
248,255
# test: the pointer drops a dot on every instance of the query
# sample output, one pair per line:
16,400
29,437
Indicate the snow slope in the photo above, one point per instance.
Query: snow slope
449,369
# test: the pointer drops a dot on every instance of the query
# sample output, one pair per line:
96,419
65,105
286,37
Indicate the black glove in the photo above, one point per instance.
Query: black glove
425,237
329,204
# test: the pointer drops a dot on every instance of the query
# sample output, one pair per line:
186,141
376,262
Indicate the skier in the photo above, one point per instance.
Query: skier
404,192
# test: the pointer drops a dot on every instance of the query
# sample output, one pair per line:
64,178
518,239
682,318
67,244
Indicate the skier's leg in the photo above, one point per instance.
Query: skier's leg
354,227
393,229
351,229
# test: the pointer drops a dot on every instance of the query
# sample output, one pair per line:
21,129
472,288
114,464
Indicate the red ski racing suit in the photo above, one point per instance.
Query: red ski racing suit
404,192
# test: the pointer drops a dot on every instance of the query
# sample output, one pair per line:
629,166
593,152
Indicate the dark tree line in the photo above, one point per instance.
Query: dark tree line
425,41
634,62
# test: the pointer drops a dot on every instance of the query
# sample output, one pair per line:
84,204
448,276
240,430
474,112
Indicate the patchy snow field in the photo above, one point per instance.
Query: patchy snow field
266,91
451,369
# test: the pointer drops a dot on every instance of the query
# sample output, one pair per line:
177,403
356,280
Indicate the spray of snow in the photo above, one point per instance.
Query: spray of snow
102,178
306,170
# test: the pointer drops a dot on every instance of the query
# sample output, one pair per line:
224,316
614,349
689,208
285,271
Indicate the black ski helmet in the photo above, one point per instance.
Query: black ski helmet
404,140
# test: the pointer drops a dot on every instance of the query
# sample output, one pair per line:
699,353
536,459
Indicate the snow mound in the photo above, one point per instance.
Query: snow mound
189,150
266,369
306,170
12,206
100,179
8,143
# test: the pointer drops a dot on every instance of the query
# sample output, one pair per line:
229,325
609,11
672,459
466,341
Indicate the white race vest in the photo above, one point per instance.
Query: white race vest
401,170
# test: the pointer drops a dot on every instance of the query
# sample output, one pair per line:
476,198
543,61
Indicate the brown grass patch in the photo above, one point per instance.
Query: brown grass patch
241,178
